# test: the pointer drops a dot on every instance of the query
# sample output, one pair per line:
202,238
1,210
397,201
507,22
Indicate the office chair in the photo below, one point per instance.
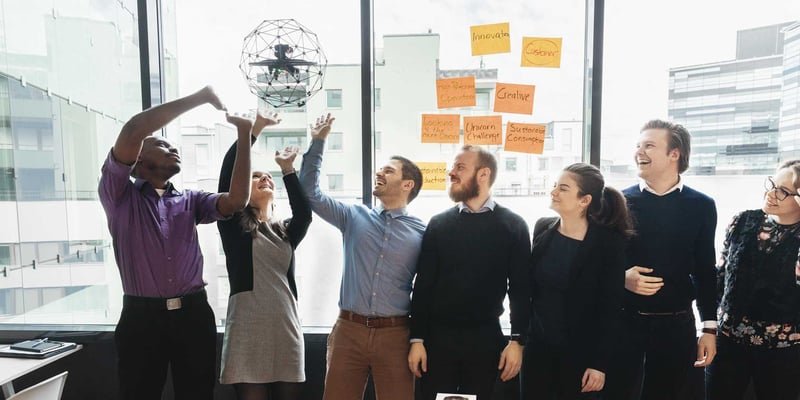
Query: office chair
46,390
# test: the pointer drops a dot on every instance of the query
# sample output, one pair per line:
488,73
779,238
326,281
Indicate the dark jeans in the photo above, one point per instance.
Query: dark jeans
654,357
549,374
462,360
149,338
775,372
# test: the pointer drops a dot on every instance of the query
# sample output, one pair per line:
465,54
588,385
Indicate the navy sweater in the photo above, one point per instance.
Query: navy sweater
675,237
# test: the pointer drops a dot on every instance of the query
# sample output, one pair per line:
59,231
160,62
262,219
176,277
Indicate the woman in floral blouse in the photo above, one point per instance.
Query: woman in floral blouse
759,283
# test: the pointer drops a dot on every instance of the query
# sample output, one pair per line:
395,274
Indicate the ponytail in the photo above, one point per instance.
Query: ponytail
613,212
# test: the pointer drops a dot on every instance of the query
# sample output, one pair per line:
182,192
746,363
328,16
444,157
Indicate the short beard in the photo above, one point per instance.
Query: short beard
469,192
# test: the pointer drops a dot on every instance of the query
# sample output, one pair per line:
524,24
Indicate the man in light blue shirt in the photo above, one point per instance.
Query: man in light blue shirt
381,246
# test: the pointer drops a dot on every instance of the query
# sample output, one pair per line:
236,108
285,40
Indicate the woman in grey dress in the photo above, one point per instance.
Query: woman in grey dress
262,352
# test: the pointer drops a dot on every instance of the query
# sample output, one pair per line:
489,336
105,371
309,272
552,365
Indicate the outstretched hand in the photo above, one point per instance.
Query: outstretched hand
210,96
285,158
262,121
322,128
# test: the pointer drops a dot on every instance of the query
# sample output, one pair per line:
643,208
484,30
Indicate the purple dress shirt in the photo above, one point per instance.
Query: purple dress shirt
155,237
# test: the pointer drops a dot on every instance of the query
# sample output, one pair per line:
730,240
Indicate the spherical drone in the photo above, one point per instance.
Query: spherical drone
283,63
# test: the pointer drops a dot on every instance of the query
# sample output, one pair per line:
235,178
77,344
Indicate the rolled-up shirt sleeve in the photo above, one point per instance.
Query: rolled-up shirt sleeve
114,181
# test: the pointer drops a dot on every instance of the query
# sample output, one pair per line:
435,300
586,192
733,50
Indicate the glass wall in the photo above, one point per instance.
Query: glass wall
69,77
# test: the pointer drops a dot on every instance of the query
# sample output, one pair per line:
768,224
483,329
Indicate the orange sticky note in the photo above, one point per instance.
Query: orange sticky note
455,92
440,128
490,39
434,175
541,52
525,138
511,98
483,130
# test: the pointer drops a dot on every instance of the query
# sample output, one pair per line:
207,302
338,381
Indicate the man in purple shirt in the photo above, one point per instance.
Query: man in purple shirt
166,319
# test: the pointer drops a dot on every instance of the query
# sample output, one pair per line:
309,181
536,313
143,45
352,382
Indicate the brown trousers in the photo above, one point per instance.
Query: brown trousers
355,351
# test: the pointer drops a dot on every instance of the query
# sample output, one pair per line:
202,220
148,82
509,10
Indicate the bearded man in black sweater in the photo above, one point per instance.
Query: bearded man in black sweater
671,260
472,255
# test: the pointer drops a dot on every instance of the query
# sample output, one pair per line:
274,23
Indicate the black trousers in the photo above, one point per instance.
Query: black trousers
654,357
775,372
549,374
149,338
462,360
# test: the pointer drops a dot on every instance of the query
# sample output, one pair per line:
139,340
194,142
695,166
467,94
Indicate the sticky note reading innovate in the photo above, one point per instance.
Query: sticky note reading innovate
483,130
541,52
490,39
434,175
511,98
440,128
455,92
525,138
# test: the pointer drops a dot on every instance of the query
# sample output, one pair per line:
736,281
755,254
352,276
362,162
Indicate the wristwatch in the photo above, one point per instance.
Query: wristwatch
712,331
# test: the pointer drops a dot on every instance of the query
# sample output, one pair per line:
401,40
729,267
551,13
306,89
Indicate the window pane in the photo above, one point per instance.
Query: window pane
415,43
334,98
334,141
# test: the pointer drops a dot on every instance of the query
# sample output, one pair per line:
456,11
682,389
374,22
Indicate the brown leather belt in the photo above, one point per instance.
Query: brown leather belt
374,322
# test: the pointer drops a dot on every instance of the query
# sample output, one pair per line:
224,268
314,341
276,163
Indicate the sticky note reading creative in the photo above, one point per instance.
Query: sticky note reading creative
511,98
455,92
525,138
490,39
434,175
483,130
541,52
440,128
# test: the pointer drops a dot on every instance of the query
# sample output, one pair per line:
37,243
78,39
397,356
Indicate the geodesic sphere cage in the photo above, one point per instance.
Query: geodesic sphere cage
283,63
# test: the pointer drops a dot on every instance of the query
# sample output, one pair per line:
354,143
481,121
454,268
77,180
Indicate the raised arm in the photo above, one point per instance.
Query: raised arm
325,206
226,171
301,209
129,142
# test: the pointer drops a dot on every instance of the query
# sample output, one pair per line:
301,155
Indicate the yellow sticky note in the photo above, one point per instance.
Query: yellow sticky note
511,98
541,52
525,138
434,175
440,128
490,39
483,130
455,92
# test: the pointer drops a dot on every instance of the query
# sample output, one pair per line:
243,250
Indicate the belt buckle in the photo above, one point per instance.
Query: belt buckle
174,304
371,319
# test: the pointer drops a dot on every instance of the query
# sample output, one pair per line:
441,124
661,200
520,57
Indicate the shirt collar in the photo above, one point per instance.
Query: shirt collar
139,184
678,186
397,212
487,206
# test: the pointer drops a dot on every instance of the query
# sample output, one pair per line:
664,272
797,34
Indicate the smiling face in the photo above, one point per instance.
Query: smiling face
787,209
653,157
158,158
464,177
565,198
262,189
389,182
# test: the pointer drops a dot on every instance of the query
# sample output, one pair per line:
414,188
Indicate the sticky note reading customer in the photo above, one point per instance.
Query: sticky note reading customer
440,128
483,130
455,92
541,52
434,175
525,138
511,98
490,39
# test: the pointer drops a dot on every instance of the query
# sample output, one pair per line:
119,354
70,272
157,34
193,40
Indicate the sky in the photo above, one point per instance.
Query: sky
643,40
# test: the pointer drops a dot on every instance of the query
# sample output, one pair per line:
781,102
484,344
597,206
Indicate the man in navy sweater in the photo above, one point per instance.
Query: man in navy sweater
671,260
472,254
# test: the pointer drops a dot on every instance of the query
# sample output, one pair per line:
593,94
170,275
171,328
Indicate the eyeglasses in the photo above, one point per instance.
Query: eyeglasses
780,193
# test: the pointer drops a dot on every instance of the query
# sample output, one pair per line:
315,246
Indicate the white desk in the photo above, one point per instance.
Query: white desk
13,368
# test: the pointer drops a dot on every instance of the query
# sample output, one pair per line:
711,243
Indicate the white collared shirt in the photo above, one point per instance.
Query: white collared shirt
487,206
678,186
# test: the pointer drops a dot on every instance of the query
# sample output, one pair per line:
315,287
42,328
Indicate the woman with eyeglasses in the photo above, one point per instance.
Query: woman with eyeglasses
577,284
759,282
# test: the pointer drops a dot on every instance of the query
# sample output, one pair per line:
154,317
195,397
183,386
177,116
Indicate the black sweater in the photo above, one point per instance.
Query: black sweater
238,244
675,237
467,264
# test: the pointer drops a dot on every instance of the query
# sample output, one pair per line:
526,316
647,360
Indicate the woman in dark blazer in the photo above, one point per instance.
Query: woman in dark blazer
577,283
